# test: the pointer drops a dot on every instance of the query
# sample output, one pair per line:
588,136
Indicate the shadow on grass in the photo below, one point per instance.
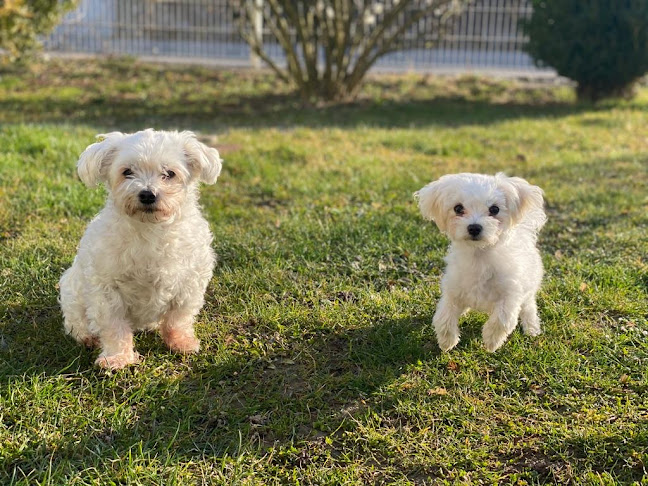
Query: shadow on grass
610,453
617,198
125,94
33,342
272,111
302,390
282,398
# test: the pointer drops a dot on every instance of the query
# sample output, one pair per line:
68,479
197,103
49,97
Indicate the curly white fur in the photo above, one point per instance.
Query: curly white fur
142,263
493,264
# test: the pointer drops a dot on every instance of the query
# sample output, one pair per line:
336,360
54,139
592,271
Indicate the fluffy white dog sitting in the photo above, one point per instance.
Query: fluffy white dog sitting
493,264
145,261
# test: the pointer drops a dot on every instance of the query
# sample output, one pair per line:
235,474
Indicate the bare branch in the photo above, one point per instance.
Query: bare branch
281,30
366,61
351,34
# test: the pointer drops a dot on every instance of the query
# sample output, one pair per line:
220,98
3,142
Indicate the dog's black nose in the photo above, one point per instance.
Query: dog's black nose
146,197
474,230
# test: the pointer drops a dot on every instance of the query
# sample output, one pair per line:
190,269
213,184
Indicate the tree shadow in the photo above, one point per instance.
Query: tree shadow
285,111
171,96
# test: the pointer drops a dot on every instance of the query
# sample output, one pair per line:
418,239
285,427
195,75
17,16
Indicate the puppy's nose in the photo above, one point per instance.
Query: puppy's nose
474,230
146,197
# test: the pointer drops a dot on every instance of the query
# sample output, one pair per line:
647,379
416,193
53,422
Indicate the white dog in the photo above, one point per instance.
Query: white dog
145,261
493,264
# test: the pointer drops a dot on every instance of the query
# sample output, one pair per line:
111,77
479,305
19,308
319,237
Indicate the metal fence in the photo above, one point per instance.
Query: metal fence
486,36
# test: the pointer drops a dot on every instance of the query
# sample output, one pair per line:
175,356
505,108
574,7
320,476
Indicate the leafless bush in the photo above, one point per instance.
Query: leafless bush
329,45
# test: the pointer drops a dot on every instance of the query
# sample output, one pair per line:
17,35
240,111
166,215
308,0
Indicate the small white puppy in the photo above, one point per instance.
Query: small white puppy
493,264
145,261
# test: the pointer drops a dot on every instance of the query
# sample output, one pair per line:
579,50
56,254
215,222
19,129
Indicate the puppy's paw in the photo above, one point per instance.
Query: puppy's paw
91,342
531,325
532,331
447,341
117,361
181,342
493,339
84,338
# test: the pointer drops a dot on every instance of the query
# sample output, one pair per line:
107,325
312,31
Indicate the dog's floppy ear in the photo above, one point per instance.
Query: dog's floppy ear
95,159
524,200
203,161
430,202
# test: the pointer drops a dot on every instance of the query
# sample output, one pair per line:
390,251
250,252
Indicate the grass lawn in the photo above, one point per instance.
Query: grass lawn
319,363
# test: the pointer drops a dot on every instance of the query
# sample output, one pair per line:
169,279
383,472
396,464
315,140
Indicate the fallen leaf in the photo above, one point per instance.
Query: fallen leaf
538,390
257,420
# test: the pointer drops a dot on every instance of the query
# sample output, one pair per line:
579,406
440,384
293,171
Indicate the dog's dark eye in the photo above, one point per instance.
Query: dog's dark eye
127,173
493,210
459,209
169,174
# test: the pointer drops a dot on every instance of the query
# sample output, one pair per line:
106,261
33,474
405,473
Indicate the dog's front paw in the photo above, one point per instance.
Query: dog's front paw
91,342
447,340
531,326
493,338
533,331
117,361
181,342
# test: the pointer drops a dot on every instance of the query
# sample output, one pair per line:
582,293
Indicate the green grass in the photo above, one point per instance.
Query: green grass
319,364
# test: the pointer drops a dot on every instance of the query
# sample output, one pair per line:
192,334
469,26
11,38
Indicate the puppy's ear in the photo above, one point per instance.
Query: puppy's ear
204,162
430,202
524,200
95,160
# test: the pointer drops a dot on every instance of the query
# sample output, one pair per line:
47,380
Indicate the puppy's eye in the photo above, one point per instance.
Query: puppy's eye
127,173
493,210
459,209
169,174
